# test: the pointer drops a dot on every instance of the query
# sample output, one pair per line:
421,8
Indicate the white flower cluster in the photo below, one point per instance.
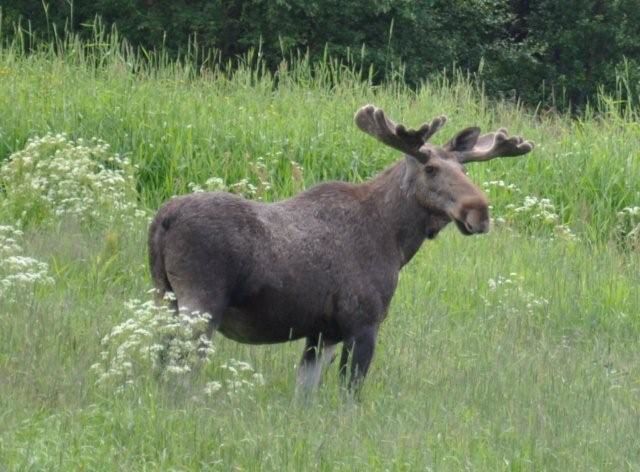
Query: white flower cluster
242,187
259,182
212,184
504,290
540,214
628,226
153,338
245,188
241,376
501,184
54,176
537,209
17,270
537,214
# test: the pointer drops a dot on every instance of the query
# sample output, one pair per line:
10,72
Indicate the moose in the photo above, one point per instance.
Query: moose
324,264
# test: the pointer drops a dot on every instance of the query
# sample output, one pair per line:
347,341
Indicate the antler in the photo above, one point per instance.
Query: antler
491,145
373,121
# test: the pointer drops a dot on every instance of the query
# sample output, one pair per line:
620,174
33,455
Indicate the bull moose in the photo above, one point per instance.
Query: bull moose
324,264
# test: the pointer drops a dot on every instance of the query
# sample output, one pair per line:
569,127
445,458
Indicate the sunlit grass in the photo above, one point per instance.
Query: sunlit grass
516,350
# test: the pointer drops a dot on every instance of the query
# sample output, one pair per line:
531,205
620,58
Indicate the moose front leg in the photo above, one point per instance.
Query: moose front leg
361,347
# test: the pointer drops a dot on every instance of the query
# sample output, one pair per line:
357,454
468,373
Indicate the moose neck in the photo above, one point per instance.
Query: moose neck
406,222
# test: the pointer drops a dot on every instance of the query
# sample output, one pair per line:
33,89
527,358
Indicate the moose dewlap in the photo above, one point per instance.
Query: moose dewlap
324,264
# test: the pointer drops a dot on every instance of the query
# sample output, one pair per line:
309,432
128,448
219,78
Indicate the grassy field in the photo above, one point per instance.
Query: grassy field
517,350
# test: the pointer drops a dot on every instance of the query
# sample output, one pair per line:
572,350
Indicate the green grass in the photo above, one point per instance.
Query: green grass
466,376
181,127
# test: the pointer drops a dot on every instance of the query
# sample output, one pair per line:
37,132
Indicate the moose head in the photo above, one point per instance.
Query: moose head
435,176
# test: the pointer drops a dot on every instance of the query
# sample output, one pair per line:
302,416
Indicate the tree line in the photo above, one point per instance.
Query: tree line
558,53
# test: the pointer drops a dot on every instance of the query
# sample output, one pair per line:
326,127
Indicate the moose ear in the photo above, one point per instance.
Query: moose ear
411,170
465,140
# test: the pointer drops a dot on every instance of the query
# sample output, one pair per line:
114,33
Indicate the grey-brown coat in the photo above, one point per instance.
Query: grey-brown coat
324,264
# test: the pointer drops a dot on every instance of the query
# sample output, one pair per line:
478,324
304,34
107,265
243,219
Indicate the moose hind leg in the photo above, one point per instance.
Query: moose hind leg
193,304
195,300
315,357
347,347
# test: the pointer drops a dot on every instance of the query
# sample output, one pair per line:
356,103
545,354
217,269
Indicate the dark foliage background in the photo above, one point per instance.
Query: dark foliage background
557,53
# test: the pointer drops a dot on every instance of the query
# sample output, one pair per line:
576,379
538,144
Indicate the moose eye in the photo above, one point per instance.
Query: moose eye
430,170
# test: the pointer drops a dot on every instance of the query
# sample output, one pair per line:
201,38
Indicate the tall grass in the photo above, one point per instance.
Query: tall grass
180,124
512,351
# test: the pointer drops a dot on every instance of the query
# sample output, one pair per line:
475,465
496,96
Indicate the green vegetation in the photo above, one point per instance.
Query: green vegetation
512,351
550,52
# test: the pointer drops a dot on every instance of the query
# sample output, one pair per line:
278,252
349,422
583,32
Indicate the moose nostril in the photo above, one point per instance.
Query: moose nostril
472,215
476,220
469,227
477,226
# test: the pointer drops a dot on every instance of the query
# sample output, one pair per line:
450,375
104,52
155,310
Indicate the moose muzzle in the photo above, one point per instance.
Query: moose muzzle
472,216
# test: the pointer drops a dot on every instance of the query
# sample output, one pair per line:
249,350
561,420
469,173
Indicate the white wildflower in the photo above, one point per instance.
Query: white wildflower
212,387
244,187
54,176
18,272
509,295
154,338
215,184
536,215
499,184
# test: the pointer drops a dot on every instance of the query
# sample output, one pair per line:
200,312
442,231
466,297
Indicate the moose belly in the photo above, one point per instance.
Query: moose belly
266,323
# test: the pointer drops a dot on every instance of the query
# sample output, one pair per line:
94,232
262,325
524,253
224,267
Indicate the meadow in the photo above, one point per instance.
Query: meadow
516,350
